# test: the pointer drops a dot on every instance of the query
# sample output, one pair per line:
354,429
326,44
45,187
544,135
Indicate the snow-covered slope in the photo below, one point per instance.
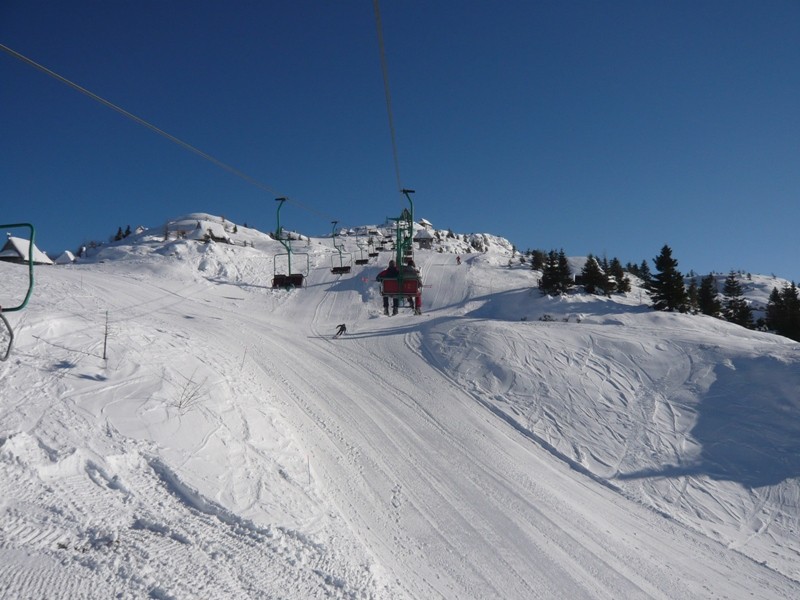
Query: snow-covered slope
230,448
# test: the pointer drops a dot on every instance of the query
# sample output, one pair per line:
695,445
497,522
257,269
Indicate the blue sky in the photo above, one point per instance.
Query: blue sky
603,127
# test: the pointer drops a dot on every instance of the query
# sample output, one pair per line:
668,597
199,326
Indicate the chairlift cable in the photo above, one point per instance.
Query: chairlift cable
385,70
185,145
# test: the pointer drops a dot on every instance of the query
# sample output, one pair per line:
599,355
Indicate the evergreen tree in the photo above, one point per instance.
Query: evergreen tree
707,299
556,277
735,308
548,282
783,312
127,231
592,276
693,297
565,279
538,259
119,235
776,311
623,282
667,289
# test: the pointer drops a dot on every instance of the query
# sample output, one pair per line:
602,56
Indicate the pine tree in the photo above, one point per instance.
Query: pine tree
127,231
592,276
783,312
556,277
565,279
119,235
693,297
707,299
548,282
538,259
623,282
792,303
776,311
667,289
735,308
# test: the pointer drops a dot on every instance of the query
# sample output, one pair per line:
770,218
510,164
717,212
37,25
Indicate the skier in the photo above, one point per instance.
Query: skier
389,273
341,329
415,301
458,260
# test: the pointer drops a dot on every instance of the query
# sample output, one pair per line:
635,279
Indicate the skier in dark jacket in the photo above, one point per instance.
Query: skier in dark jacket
390,272
415,301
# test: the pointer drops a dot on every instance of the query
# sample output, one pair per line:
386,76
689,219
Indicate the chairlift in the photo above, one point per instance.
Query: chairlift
4,354
342,265
288,280
363,258
372,251
407,284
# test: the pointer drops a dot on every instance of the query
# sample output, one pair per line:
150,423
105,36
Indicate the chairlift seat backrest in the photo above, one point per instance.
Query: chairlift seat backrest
397,287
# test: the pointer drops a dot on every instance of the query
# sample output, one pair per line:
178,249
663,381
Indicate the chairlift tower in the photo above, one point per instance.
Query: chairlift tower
407,284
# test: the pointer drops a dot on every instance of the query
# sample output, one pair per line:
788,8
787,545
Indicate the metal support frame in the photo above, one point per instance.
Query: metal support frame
290,280
341,268
23,304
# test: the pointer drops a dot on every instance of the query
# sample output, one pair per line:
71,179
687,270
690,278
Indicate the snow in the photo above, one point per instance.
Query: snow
228,447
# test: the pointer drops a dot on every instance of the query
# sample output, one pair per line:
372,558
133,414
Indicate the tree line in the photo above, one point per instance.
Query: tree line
668,290
598,276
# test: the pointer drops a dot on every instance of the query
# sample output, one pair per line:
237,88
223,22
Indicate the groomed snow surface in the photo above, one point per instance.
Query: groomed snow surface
229,447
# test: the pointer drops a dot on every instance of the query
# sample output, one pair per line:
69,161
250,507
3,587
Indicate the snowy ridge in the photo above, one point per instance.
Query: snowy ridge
229,447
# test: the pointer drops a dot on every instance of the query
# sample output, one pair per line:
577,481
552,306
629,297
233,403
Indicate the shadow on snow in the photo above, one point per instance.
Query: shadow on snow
748,426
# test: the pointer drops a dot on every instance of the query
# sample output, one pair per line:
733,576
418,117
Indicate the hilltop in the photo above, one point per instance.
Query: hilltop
503,444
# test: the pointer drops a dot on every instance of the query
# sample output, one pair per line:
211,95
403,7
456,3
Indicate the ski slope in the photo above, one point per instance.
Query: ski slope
229,447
